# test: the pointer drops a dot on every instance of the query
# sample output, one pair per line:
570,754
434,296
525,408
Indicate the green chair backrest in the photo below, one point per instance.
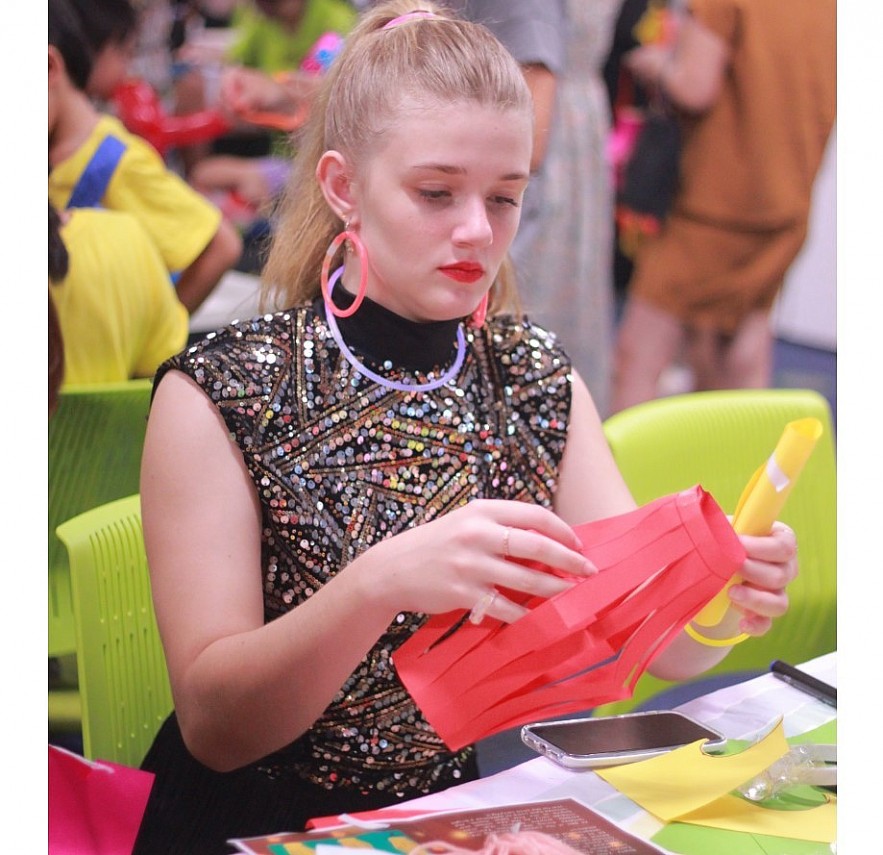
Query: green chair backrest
718,439
95,442
124,684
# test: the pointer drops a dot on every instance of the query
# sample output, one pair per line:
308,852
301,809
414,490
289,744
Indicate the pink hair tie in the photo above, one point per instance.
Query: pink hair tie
408,16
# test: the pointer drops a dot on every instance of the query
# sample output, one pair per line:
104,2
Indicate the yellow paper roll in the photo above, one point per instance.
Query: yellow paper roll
764,495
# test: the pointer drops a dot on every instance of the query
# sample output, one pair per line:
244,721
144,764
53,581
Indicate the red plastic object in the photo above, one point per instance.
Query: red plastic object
141,111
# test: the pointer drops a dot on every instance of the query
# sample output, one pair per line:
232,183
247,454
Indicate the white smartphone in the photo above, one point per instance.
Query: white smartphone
589,743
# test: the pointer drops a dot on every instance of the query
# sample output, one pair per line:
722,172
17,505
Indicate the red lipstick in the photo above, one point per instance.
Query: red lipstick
464,271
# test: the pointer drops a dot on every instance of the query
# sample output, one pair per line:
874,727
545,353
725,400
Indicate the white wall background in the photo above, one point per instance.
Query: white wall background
806,312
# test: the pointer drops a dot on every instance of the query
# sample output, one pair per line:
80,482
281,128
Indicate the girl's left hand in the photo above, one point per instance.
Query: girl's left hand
770,566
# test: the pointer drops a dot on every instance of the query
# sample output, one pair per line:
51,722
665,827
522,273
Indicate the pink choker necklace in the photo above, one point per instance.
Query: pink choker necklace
396,385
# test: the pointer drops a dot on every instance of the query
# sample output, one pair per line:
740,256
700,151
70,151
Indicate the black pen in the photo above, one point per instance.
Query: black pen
803,681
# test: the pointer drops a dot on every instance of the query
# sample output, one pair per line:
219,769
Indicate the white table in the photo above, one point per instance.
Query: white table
736,711
235,297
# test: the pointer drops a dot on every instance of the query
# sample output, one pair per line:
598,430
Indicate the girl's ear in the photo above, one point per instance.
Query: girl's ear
336,182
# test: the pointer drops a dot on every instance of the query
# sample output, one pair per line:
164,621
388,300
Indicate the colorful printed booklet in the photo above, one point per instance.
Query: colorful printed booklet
565,819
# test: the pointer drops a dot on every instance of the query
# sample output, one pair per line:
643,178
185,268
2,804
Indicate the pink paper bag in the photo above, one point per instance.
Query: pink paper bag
94,807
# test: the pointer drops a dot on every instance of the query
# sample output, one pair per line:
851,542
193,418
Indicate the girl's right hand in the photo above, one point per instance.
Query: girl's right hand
454,562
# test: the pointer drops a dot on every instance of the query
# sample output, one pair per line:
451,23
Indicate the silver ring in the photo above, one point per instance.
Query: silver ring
479,610
506,553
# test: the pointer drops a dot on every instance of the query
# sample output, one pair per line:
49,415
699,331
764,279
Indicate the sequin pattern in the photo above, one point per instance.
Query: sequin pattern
340,463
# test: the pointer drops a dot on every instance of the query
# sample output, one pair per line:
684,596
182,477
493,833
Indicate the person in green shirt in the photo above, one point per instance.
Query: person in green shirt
271,39
276,35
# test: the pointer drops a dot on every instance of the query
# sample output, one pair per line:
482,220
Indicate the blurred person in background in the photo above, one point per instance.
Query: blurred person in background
563,250
116,317
94,160
245,170
755,86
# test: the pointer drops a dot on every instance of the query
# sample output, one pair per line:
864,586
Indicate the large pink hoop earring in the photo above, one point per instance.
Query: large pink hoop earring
356,241
477,318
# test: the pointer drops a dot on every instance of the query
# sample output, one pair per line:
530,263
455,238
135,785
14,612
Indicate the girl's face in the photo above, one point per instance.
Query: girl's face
438,204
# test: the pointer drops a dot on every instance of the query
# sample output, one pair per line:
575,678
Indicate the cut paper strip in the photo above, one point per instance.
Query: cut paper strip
658,566
765,495
686,785
380,818
697,840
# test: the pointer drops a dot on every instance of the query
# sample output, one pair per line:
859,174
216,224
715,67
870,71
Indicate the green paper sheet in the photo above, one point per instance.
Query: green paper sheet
697,840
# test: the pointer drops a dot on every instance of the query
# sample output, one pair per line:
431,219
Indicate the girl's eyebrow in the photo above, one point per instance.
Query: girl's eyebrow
440,167
449,169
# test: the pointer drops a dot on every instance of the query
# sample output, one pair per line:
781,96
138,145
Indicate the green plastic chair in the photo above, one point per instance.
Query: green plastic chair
95,442
123,681
718,439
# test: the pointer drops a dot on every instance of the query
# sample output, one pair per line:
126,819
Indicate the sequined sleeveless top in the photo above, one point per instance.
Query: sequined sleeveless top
339,463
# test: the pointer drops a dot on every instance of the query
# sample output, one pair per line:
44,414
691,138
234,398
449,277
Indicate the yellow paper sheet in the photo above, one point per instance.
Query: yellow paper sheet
734,814
764,496
686,785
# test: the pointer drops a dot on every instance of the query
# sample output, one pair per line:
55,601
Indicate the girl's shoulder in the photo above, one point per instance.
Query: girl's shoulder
243,358
508,333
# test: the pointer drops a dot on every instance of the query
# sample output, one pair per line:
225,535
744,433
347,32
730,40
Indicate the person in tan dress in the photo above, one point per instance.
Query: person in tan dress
755,86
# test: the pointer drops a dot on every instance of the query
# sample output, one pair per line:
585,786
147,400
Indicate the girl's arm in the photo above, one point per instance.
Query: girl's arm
243,688
590,485
691,73
543,84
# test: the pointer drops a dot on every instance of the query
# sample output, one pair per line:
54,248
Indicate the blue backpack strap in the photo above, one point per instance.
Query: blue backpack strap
92,184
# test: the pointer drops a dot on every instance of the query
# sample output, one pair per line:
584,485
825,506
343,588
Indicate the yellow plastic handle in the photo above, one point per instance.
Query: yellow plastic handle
765,494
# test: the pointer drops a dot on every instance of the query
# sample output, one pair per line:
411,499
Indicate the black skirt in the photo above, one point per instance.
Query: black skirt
193,810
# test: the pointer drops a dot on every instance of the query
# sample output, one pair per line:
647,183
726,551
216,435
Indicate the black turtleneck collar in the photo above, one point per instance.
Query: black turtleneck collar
381,335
